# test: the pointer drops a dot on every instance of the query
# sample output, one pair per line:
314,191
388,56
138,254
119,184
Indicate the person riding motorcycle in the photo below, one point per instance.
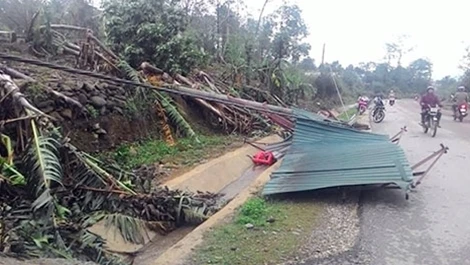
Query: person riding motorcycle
429,99
461,97
378,100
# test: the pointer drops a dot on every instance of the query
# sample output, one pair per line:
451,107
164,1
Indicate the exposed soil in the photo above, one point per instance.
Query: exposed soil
119,130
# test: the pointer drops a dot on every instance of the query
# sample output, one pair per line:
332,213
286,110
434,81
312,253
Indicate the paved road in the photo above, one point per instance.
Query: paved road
433,227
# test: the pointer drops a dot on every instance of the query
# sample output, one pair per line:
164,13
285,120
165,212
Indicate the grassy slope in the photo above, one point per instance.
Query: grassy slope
280,228
186,152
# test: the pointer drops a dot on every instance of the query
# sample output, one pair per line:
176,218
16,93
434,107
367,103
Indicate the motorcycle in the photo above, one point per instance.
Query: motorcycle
460,112
391,101
430,120
362,106
378,112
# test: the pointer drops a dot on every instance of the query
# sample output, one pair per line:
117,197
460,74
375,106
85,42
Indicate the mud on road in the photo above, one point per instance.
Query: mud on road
432,227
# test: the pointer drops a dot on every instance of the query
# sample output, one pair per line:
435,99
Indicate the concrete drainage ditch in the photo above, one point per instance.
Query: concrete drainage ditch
231,174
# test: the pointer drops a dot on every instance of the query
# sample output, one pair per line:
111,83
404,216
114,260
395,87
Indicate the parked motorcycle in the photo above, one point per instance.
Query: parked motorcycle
378,112
461,112
430,120
362,106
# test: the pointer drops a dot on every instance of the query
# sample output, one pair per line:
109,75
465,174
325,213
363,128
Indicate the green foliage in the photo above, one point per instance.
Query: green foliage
269,242
253,212
372,78
144,30
94,113
188,150
448,85
45,169
144,101
347,115
175,116
290,29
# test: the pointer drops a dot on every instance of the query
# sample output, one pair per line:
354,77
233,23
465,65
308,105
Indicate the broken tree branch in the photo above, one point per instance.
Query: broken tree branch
10,87
102,46
15,74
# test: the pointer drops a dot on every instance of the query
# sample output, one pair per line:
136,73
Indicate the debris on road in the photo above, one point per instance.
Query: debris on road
325,154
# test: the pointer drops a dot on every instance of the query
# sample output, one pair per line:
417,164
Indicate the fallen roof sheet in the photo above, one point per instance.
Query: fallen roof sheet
327,154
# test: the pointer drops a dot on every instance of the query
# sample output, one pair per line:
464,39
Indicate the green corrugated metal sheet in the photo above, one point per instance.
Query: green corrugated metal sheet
325,154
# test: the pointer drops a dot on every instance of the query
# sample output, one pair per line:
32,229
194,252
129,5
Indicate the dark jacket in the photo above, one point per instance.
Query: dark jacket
430,99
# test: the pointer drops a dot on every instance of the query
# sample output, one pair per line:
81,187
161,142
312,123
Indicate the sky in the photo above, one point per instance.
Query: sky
356,31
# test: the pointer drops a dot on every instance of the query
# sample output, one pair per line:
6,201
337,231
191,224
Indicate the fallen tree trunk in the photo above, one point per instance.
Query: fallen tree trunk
15,74
12,89
57,94
172,89
102,46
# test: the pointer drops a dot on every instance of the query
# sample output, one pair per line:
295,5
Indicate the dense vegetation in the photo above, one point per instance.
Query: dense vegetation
251,54
262,50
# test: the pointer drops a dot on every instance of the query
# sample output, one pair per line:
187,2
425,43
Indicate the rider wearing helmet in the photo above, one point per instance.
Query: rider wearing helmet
461,97
391,94
429,99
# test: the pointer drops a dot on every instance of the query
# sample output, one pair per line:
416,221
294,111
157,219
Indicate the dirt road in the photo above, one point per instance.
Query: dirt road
433,227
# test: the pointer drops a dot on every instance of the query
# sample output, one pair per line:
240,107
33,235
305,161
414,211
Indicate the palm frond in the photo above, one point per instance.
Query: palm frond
44,167
13,176
132,75
92,246
88,172
165,127
130,72
175,116
131,229
167,103
195,215
191,212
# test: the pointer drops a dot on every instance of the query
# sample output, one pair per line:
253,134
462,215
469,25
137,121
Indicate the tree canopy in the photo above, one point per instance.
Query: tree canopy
266,50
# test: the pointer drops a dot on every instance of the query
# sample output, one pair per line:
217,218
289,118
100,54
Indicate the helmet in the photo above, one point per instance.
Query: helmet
391,91
461,88
430,88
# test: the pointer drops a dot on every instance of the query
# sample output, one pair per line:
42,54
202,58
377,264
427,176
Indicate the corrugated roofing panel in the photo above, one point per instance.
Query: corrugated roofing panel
325,154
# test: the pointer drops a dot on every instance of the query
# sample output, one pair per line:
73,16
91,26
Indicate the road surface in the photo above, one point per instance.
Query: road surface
433,227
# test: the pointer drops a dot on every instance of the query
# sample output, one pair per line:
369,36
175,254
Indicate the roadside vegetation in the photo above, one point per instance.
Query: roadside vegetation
51,192
186,152
263,231
348,114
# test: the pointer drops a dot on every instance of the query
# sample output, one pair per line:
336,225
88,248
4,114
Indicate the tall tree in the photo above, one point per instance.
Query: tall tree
146,30
397,49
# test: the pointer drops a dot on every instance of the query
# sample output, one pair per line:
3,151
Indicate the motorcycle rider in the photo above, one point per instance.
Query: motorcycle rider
378,100
430,99
461,97
391,97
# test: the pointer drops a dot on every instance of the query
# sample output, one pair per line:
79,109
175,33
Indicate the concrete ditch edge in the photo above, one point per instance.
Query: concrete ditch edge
180,252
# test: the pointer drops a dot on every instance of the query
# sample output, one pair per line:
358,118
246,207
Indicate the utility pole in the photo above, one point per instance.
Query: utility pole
323,54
